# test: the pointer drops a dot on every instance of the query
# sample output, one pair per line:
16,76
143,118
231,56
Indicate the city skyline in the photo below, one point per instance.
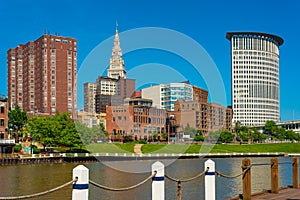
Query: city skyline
207,23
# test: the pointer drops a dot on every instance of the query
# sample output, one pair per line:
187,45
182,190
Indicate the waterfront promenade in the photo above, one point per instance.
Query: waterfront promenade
283,194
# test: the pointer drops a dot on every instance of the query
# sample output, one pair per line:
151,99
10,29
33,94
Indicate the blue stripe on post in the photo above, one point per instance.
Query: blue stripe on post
81,186
158,178
209,173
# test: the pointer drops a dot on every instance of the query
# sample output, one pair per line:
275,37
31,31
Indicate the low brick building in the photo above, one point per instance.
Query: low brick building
138,121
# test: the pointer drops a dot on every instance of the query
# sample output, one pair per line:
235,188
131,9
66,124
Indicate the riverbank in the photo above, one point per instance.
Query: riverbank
62,158
163,148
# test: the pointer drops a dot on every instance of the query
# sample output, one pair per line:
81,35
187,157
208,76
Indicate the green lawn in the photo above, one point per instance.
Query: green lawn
195,148
164,148
248,148
110,148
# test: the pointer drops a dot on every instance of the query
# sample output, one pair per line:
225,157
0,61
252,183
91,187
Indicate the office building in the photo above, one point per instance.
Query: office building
255,77
89,97
110,91
165,95
42,75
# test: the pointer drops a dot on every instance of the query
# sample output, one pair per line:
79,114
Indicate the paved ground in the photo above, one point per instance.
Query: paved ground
284,194
137,148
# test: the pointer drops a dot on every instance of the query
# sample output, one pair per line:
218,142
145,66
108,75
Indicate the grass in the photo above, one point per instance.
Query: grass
110,148
248,148
195,148
164,148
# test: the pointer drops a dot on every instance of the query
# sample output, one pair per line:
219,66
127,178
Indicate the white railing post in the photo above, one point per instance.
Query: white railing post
81,187
210,182
158,182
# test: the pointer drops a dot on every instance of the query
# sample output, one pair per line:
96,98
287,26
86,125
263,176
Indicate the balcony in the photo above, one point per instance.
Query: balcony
6,141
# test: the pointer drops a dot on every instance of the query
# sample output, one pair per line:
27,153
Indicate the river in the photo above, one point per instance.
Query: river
27,179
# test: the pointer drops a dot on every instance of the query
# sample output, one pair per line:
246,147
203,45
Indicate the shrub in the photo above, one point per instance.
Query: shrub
17,148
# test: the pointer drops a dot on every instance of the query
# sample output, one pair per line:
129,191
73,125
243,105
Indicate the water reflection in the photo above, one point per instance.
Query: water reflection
28,179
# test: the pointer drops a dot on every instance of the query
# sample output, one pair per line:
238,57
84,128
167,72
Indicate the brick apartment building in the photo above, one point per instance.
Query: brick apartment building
42,75
140,120
3,117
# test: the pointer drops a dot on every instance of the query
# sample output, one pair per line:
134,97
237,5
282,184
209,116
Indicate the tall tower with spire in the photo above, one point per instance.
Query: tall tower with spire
116,66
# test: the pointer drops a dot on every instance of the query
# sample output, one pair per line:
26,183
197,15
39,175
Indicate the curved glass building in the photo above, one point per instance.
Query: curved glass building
255,77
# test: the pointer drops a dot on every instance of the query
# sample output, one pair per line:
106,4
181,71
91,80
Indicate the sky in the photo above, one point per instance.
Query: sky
186,22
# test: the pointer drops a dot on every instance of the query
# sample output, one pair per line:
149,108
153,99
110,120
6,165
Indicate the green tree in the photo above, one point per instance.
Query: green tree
270,127
226,136
57,130
291,135
257,136
188,130
17,120
164,136
279,133
199,136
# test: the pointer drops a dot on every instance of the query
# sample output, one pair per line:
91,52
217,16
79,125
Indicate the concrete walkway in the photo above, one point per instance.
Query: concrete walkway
138,148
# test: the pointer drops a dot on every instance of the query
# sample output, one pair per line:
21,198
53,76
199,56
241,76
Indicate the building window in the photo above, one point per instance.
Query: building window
1,122
1,109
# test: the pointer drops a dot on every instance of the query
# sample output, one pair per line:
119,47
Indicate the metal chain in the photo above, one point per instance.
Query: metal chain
122,189
41,193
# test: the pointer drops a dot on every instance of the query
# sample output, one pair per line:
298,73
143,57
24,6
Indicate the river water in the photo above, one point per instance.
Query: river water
27,179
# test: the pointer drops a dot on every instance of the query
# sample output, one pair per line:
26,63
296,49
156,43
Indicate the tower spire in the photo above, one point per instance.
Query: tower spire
117,26
116,65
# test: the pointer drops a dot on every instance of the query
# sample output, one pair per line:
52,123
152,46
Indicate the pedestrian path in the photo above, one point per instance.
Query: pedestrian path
284,194
138,148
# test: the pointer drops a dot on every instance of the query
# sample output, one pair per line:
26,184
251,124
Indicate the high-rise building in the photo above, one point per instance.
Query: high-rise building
255,77
116,65
114,88
42,75
165,95
89,97
112,91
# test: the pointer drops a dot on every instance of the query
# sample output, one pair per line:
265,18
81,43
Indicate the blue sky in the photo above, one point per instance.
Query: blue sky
206,22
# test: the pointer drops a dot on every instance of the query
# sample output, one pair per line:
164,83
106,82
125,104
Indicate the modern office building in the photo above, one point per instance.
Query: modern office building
165,95
42,75
89,97
255,77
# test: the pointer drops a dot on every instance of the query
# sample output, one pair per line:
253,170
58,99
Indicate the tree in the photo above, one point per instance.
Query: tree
256,135
164,136
199,136
57,130
270,127
17,120
188,130
226,136
292,135
279,133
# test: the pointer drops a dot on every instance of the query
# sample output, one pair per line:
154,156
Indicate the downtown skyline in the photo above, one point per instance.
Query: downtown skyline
206,23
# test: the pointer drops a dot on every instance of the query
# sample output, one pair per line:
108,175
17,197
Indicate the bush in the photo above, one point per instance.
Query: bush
17,148
35,150
141,142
